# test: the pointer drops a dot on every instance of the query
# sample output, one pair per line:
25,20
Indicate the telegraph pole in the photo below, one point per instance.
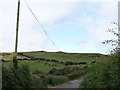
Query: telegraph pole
16,41
119,26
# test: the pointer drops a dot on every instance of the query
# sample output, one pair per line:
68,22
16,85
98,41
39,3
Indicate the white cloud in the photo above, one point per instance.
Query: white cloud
107,14
64,0
51,12
97,26
30,36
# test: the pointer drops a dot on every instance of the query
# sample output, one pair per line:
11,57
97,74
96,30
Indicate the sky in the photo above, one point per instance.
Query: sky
74,25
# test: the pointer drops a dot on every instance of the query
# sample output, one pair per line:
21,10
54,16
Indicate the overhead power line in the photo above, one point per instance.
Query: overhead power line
41,25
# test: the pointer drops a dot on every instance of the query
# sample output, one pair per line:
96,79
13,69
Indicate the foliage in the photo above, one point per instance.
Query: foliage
39,81
18,78
56,80
77,73
107,75
35,66
15,63
116,50
65,70
43,69
103,74
114,42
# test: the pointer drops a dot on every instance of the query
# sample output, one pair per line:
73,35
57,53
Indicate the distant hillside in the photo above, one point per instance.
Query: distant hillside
63,56
52,55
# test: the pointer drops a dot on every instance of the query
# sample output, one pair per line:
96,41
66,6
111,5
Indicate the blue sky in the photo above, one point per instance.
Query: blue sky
73,26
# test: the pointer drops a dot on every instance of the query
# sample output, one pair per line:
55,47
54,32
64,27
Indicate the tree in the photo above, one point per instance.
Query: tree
115,52
114,42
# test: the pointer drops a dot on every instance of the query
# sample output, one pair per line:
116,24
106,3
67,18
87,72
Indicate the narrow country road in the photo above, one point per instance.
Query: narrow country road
72,84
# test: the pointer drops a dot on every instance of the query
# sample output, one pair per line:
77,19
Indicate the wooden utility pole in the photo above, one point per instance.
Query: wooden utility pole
119,26
16,41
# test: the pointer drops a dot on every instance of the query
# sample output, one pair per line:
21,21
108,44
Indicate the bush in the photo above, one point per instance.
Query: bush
52,71
104,76
64,71
39,81
20,78
24,77
16,78
76,74
37,72
56,80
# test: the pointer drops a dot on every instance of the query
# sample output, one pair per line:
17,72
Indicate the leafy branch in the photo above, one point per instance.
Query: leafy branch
113,42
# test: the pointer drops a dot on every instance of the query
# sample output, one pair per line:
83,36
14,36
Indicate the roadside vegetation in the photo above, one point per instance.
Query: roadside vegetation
103,74
106,72
21,78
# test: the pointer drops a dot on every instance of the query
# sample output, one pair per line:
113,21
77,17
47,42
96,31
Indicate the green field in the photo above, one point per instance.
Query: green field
45,66
35,66
62,56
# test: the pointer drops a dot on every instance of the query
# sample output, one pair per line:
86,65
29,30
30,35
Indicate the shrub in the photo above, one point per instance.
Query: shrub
24,77
20,78
64,71
37,72
104,76
16,78
76,74
56,80
52,71
39,81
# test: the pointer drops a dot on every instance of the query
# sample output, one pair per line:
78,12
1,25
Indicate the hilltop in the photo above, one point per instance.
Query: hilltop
50,55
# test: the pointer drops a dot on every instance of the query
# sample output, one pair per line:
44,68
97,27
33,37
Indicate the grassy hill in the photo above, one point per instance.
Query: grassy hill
61,56
50,59
56,67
